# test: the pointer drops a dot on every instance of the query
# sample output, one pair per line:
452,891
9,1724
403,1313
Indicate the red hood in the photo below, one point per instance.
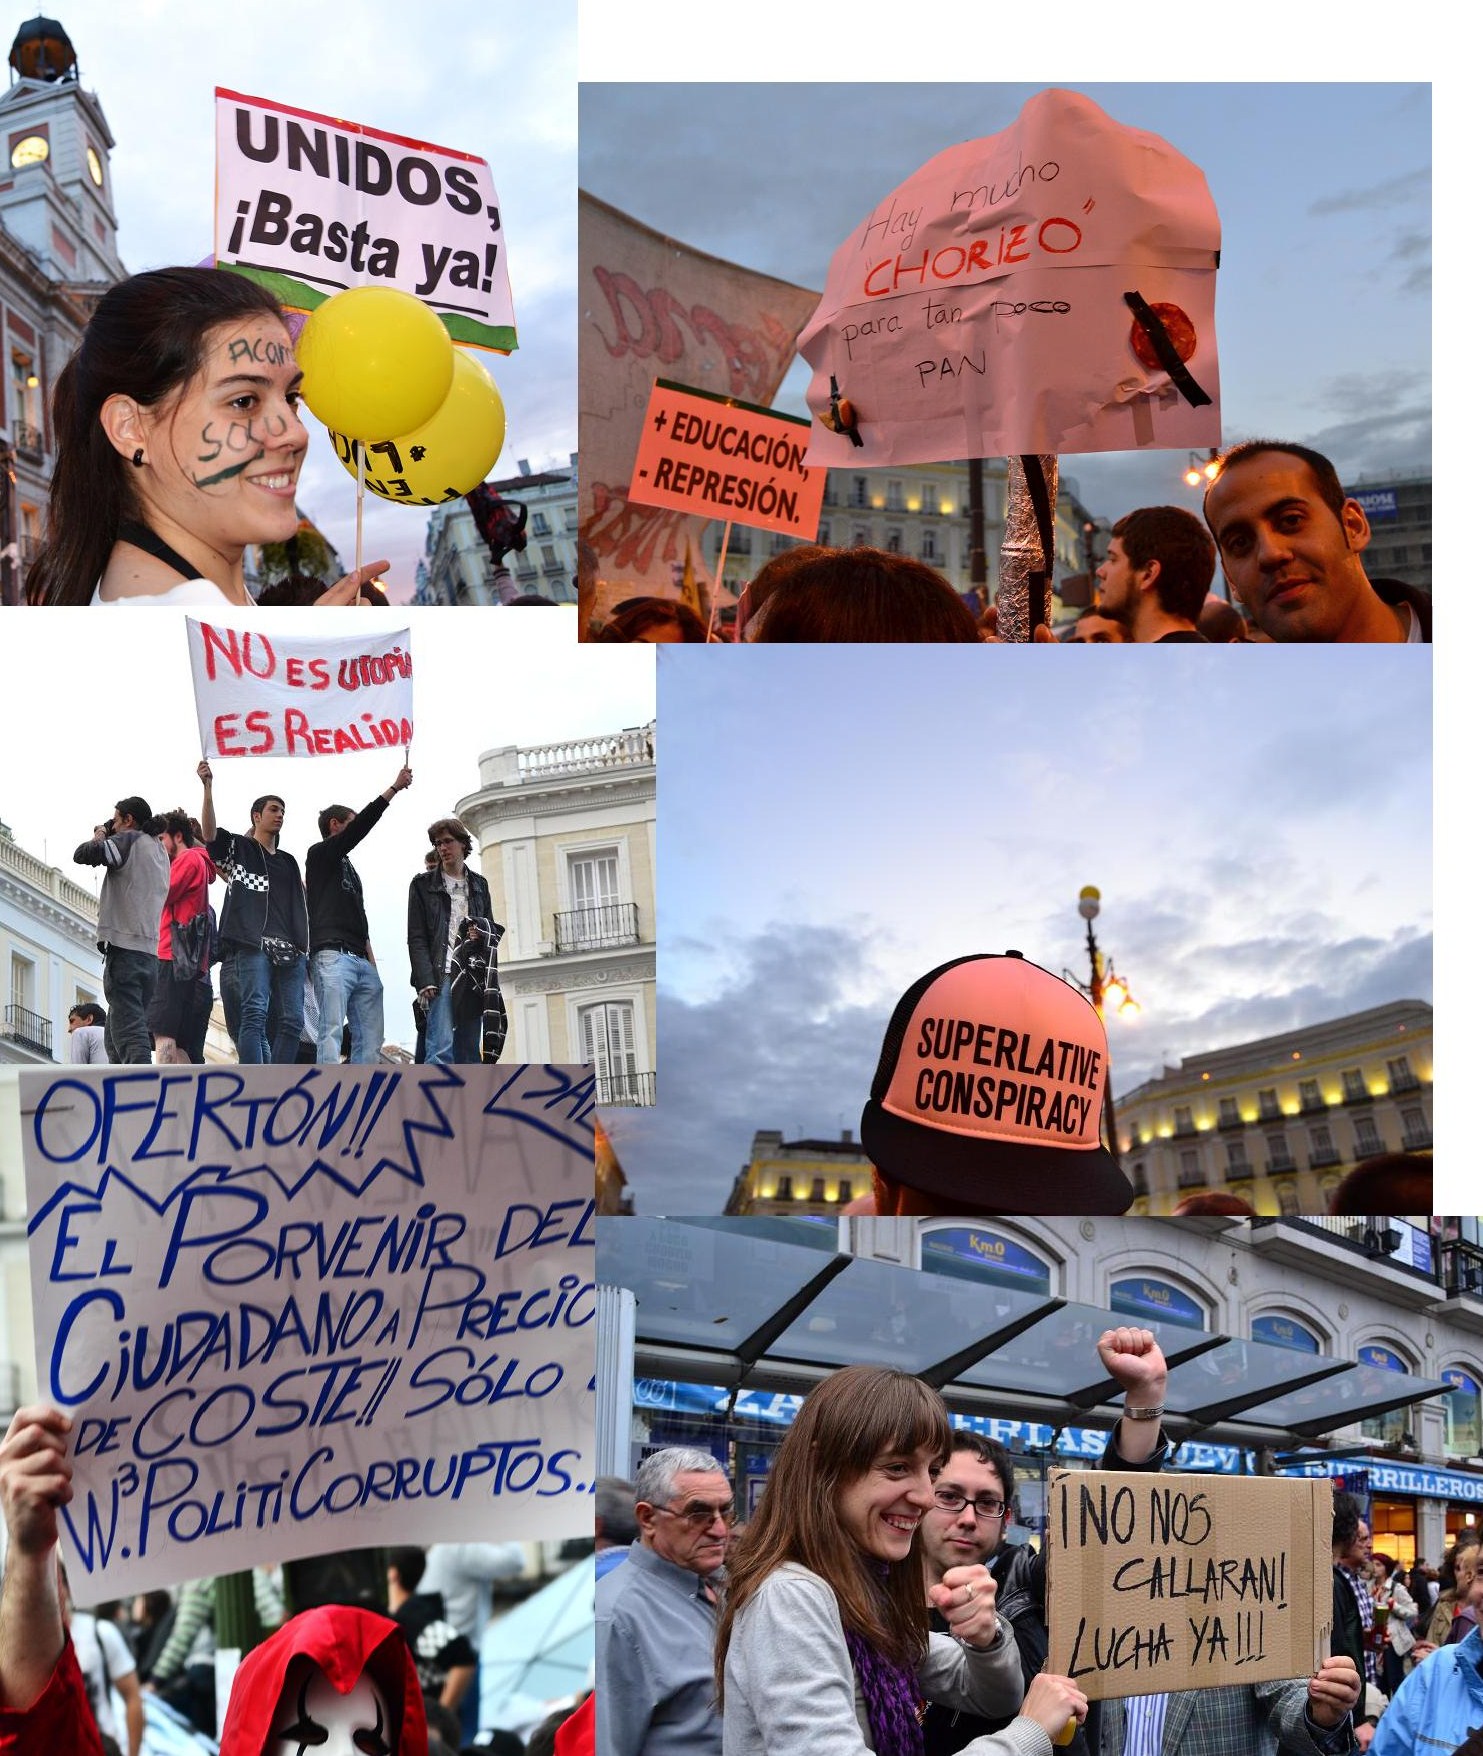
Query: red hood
343,1642
574,1736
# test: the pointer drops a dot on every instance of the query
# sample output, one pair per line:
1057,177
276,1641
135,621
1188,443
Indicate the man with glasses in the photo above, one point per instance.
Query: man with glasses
656,1616
442,904
974,1495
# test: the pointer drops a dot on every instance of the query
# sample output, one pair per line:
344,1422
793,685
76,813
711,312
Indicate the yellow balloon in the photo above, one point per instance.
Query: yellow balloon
444,457
376,362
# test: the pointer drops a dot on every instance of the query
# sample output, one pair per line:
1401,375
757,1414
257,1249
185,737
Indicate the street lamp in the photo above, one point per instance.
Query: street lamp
1202,470
1105,989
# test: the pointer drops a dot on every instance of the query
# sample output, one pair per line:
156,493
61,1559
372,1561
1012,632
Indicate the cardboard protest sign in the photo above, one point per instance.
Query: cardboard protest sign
311,204
1161,1582
652,307
292,1310
726,459
982,308
298,695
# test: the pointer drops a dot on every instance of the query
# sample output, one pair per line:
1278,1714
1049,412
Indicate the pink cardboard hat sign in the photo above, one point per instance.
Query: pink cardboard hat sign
1049,289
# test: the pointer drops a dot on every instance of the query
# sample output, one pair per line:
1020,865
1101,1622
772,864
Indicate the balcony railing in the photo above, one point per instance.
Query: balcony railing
1191,1179
597,929
1416,1139
626,1090
1231,1121
1321,1156
1240,1173
1281,1162
627,749
1400,1082
30,1028
1462,1268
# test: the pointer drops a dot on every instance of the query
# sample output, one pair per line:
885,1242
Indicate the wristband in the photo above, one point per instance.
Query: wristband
1143,1414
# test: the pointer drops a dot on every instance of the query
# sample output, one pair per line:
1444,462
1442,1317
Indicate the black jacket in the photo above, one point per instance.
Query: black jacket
1348,1637
337,910
244,915
1396,591
428,910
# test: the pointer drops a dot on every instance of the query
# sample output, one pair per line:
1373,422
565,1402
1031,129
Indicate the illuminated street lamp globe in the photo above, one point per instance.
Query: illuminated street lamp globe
1089,903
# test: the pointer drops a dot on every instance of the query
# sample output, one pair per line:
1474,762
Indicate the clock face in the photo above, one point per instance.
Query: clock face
30,151
95,166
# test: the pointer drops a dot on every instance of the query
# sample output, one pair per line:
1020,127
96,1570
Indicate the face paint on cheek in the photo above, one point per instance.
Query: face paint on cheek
225,475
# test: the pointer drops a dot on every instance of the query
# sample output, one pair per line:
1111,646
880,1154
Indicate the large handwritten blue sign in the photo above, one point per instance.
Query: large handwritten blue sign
298,1309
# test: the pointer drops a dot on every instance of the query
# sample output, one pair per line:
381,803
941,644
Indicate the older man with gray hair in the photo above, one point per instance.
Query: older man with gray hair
656,1616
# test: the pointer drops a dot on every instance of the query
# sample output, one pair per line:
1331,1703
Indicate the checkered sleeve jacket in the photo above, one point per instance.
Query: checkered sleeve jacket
240,860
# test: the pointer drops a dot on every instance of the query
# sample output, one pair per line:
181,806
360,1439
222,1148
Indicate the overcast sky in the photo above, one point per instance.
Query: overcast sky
1323,300
503,89
837,821
87,727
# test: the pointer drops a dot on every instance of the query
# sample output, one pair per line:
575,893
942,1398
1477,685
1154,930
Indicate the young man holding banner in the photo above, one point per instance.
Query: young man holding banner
346,981
264,928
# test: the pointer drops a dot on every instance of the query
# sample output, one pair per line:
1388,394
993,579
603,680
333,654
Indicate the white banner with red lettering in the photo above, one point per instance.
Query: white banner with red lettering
300,695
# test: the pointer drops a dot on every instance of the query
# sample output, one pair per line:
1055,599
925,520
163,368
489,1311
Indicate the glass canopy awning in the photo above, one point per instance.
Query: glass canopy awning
747,1305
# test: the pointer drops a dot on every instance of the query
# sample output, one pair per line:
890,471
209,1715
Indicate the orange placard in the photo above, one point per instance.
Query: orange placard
718,458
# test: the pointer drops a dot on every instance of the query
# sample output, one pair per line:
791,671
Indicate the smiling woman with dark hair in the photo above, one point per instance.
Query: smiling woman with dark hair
823,1646
179,443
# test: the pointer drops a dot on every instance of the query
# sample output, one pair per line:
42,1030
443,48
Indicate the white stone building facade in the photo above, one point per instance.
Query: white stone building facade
566,836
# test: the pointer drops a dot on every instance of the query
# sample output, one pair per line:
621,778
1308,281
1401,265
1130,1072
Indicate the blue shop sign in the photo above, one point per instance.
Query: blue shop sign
660,1396
1400,1478
995,1256
1143,1297
1377,502
1285,1332
1459,1380
1382,1357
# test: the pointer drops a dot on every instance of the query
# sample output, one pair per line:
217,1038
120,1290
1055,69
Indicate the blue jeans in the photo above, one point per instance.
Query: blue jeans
348,986
259,983
450,1044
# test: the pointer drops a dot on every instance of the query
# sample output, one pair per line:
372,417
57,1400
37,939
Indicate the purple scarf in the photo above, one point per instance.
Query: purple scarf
891,1699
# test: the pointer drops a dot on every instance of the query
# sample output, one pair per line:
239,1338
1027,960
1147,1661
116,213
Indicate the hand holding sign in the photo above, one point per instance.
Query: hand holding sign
1333,1690
1055,1703
965,1598
35,1477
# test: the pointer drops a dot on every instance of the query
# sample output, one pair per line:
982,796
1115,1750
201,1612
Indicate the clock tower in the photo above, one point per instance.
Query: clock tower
58,256
56,193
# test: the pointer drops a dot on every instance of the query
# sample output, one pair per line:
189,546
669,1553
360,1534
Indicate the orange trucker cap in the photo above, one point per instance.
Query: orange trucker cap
992,1066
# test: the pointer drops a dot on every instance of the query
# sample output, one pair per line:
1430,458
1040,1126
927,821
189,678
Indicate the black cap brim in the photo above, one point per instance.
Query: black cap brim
987,1176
